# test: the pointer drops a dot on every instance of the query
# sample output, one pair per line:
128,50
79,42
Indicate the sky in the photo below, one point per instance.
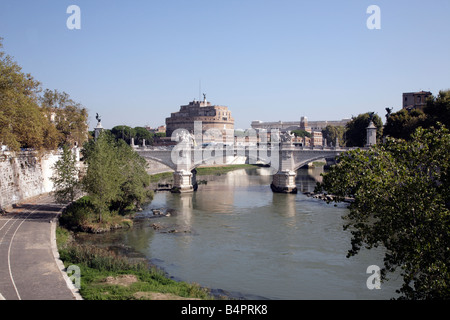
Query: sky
135,62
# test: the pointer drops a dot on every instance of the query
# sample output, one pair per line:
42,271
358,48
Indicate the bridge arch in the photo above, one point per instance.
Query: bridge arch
251,158
305,162
169,164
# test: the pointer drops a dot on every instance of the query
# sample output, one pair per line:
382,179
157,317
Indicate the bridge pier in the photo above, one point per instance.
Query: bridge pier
284,182
184,181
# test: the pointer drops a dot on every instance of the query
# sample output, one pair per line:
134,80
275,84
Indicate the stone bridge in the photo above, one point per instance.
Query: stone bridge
284,158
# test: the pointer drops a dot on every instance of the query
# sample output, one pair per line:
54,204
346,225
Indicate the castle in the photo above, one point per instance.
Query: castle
212,117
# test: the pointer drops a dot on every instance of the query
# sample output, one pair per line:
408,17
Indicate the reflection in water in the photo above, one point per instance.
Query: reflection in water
244,238
307,179
184,205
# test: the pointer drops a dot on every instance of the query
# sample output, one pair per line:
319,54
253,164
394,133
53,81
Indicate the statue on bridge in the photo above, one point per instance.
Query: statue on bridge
186,138
388,112
98,129
287,137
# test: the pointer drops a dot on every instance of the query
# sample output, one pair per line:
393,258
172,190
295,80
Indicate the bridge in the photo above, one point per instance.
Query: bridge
284,158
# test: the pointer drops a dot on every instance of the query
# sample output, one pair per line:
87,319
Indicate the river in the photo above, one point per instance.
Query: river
236,235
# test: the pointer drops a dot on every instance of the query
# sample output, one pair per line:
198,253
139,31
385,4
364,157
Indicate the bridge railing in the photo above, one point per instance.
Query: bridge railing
278,147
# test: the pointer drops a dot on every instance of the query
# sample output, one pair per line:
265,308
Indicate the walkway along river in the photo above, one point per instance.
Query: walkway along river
236,235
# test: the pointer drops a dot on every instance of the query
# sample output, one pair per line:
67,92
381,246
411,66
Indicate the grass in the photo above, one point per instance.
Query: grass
217,170
203,171
81,216
160,176
103,273
319,164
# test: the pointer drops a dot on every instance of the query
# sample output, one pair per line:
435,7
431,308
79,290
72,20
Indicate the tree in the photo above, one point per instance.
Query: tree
123,132
438,109
26,118
140,134
135,179
332,132
401,192
22,123
403,124
70,117
116,178
102,178
355,134
66,177
301,133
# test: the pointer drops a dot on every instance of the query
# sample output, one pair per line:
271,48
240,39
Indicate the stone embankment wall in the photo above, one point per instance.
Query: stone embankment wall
25,175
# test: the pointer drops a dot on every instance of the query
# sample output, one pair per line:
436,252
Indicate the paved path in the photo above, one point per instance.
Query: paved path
29,269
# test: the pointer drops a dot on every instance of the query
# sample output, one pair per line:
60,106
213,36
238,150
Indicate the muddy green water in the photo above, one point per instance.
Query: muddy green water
236,235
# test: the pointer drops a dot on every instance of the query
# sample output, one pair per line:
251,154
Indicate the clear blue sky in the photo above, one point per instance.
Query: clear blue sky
134,62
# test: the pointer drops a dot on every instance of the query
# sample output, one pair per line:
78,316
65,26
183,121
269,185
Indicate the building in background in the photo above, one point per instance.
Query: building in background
415,100
160,129
313,127
214,118
284,126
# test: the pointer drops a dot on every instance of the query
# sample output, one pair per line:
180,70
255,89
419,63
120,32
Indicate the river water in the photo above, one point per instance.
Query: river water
236,235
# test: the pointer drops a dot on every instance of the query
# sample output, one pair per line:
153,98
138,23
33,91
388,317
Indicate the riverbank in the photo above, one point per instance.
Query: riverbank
327,197
221,169
163,181
107,275
80,216
205,170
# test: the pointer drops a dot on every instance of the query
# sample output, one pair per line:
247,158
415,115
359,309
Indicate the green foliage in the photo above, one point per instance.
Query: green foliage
98,264
356,133
77,214
218,170
134,179
403,124
301,133
123,132
63,237
103,178
138,133
141,134
66,177
160,176
70,117
99,258
24,123
332,132
401,194
438,109
116,177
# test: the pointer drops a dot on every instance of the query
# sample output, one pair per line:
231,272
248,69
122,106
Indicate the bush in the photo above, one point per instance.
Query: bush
76,214
99,258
